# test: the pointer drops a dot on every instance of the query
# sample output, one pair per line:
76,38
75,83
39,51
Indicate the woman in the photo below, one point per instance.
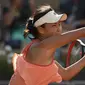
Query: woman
36,65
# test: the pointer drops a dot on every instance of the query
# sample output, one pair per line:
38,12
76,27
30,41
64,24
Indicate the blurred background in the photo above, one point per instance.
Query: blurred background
13,17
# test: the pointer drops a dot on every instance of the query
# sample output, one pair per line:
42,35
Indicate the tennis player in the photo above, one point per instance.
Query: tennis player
35,65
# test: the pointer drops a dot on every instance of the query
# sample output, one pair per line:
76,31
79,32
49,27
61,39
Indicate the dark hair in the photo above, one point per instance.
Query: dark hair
41,11
30,29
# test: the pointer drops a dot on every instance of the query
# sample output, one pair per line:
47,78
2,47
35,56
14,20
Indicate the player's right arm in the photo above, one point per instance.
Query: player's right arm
57,41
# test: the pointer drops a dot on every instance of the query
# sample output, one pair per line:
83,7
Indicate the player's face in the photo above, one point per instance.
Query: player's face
53,28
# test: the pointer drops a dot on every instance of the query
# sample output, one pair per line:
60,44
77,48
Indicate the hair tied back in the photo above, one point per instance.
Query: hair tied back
29,27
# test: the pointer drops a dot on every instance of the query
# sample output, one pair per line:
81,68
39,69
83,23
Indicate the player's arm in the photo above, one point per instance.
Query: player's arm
60,40
69,72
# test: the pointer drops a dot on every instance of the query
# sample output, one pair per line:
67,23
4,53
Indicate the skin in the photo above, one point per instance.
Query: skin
51,37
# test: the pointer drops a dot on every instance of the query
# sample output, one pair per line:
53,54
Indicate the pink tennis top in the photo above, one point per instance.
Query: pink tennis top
36,74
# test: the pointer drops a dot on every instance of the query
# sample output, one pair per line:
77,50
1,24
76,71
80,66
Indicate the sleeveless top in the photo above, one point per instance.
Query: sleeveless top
36,74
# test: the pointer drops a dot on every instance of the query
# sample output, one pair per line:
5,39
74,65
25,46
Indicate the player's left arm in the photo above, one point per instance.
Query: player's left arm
69,72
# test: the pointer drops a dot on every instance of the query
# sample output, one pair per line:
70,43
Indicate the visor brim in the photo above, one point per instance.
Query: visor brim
63,17
50,17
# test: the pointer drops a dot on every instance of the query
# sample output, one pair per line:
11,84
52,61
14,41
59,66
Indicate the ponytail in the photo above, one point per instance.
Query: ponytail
26,31
29,27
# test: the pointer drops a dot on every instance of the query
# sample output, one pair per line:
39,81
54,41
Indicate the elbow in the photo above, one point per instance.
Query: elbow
66,76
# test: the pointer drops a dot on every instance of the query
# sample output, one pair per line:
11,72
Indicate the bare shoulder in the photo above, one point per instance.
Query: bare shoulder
36,49
37,53
16,79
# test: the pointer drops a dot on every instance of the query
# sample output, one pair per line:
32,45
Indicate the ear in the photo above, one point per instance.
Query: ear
41,30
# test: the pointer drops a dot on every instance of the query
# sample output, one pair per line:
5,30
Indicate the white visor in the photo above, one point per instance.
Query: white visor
50,17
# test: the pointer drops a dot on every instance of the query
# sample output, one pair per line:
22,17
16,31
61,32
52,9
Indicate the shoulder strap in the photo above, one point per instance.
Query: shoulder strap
28,46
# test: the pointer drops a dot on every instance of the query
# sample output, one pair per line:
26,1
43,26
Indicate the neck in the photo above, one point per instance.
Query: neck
42,37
